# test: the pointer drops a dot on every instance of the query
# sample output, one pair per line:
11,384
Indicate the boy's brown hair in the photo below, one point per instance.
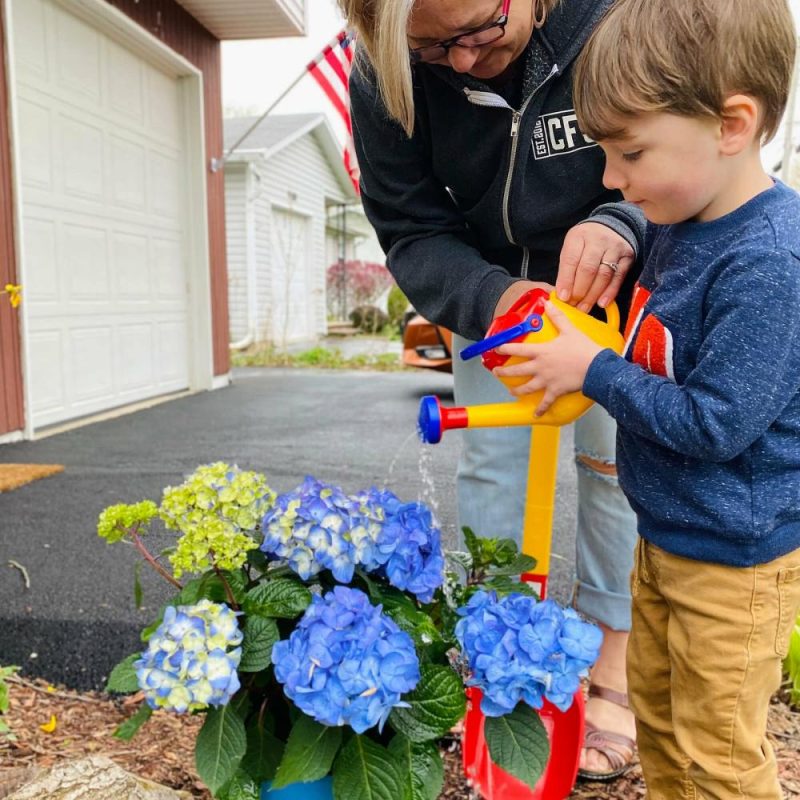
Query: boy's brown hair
684,57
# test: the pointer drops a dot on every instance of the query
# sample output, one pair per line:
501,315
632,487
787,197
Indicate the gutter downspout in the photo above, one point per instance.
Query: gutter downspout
250,260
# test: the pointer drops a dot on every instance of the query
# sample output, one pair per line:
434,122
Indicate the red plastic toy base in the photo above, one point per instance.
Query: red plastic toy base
565,731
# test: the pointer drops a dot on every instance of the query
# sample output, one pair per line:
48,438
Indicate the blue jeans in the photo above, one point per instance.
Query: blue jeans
491,485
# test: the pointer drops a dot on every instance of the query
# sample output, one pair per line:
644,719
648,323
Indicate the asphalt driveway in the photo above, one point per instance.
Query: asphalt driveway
356,429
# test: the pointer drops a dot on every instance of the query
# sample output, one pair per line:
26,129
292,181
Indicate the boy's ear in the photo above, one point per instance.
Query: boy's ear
739,123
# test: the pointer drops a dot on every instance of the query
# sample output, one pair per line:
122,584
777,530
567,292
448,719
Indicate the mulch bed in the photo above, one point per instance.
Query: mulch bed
164,753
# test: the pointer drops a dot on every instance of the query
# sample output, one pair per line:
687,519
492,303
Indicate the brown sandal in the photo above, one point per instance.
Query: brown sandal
618,749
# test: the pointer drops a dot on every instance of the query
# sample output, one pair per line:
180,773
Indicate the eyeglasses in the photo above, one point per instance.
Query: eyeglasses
477,37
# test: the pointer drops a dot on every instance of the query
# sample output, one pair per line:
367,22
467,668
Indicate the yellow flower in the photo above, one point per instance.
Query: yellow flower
14,293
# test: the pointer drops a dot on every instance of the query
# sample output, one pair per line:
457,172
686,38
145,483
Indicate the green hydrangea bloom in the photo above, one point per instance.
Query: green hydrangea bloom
115,522
218,510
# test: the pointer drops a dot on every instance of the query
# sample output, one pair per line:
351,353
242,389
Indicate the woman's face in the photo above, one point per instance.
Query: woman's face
438,20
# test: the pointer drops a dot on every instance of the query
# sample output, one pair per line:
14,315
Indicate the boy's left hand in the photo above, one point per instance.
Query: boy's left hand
559,366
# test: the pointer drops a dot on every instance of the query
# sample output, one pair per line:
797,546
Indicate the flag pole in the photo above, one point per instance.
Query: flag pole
219,163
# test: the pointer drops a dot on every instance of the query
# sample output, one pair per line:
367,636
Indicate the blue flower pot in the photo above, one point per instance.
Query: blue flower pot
316,790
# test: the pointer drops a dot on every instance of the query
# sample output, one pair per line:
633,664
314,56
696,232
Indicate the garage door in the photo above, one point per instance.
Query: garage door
291,306
101,140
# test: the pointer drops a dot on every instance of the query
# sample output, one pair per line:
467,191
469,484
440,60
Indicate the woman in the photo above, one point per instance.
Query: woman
479,184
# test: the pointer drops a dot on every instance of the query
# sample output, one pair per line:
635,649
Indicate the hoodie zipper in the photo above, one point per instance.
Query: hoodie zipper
493,100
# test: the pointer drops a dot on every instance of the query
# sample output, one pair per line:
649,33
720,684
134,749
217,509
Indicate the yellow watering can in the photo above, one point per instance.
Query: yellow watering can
526,321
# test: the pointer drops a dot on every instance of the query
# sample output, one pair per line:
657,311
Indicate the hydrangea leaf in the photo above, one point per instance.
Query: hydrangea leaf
260,634
264,753
462,559
404,611
242,787
436,705
518,743
473,544
122,679
520,564
422,767
309,753
128,729
367,771
220,747
283,598
504,585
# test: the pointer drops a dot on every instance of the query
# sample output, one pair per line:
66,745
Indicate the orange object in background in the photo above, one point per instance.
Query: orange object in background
427,345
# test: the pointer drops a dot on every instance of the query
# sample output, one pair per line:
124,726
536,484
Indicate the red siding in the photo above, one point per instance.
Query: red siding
11,408
179,30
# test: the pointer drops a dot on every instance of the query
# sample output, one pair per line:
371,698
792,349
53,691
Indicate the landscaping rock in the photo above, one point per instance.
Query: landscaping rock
94,778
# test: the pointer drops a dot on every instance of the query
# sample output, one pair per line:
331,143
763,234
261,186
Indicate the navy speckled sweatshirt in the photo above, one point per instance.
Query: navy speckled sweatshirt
707,394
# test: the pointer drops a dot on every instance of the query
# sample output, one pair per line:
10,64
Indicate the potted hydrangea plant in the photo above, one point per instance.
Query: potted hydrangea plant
329,640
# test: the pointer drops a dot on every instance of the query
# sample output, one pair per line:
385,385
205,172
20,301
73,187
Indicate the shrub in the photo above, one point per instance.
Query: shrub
355,283
369,319
397,305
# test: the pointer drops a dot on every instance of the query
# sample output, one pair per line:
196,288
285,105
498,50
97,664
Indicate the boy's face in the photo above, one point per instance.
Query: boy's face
668,165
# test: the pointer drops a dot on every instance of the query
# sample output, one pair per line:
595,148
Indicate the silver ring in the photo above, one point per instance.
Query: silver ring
612,265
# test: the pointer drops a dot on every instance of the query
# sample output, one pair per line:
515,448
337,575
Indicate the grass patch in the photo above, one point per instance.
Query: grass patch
317,357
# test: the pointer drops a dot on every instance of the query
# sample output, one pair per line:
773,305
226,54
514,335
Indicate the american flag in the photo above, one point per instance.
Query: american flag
331,70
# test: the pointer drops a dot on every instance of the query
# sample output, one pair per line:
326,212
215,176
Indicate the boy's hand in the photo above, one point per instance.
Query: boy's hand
559,367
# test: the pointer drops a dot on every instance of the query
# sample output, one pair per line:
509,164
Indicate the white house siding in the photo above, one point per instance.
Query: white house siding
303,167
236,230
294,184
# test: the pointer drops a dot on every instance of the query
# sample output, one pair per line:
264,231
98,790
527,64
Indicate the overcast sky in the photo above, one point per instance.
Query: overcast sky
255,73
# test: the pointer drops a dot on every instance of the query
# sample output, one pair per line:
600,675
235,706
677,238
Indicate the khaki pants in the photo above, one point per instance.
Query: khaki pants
704,658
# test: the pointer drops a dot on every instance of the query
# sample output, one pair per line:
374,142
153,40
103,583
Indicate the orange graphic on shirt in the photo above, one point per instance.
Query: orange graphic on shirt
640,297
653,347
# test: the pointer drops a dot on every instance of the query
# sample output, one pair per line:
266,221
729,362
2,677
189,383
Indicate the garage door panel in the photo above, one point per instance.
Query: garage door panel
36,147
85,260
42,279
170,281
46,386
165,197
91,364
30,25
82,159
172,341
128,174
131,268
104,218
137,350
124,81
164,106
78,55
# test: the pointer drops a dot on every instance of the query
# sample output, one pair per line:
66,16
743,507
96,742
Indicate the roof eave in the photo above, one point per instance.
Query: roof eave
249,19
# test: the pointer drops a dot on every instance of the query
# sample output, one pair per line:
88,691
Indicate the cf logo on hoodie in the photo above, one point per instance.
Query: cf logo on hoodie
558,134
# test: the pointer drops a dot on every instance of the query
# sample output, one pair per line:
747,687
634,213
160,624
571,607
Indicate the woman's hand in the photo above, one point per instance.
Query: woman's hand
559,366
593,265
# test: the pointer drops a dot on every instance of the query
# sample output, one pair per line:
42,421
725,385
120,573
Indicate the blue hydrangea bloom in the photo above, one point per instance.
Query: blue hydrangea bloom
408,549
346,663
310,528
189,664
318,527
520,649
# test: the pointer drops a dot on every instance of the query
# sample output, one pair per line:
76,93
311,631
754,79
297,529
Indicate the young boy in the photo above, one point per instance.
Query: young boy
680,95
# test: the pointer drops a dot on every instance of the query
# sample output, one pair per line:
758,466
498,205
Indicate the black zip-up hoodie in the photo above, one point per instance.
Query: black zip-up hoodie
483,193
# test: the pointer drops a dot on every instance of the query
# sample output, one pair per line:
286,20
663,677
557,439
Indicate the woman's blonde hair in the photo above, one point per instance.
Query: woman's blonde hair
382,31
685,57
